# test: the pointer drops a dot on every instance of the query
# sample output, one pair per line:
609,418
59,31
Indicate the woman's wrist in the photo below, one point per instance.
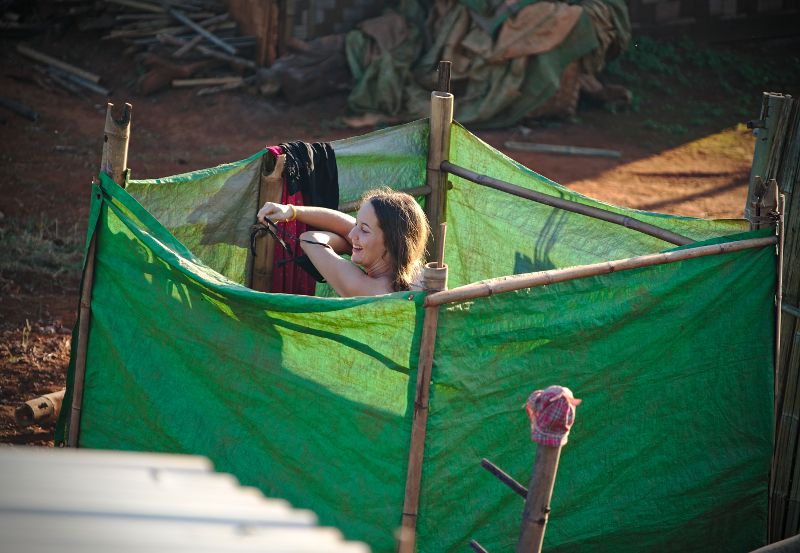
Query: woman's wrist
294,213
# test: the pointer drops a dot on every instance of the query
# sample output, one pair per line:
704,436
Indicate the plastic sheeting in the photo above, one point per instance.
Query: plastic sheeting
311,399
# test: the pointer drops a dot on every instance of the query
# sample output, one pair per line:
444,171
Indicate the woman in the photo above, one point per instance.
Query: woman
387,239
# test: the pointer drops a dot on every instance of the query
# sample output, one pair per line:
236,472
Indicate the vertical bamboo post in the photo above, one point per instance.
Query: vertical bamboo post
537,504
552,413
438,151
269,191
434,279
114,163
783,165
444,77
769,130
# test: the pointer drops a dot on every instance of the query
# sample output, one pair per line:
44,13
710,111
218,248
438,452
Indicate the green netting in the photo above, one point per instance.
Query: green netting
311,399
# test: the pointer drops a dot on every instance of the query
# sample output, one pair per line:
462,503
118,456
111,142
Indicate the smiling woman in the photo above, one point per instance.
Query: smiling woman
386,242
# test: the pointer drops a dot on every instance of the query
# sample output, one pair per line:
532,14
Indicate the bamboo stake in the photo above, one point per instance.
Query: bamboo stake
435,279
38,56
114,164
567,205
438,151
530,280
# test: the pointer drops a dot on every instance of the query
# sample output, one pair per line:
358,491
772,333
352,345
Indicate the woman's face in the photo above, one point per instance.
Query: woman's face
367,238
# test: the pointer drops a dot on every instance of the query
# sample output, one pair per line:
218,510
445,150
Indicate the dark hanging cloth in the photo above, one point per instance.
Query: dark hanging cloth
311,170
310,177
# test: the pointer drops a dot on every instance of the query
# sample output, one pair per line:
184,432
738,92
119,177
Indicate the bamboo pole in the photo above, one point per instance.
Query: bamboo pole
269,191
530,280
537,504
175,41
781,162
505,478
562,150
38,56
202,31
144,6
206,81
443,84
435,278
567,205
438,151
41,410
114,164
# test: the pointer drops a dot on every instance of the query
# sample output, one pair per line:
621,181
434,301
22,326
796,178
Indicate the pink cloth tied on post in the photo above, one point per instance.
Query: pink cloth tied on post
552,412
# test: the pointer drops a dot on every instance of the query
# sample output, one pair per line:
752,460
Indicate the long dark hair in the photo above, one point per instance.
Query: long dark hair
405,232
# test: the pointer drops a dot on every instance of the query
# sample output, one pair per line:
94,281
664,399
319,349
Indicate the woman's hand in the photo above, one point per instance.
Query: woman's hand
276,212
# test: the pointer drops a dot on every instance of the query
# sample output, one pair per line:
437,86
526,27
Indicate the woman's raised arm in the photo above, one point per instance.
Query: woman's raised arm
318,217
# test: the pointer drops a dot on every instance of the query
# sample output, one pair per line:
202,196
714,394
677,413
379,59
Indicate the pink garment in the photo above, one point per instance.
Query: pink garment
551,412
288,278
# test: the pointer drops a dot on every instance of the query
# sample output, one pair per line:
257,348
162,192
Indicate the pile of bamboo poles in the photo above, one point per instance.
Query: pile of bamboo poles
177,36
777,157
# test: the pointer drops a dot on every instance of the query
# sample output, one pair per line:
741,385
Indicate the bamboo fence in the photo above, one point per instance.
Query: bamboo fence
777,156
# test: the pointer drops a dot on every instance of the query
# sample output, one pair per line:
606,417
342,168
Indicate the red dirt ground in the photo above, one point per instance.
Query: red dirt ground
47,167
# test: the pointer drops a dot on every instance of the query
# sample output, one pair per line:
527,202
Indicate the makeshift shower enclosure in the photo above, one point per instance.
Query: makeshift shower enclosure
317,399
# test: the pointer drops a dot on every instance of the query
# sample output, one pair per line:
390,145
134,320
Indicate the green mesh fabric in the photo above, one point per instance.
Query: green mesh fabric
311,399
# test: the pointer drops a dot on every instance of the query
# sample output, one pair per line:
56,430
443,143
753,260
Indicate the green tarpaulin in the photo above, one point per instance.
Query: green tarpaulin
311,398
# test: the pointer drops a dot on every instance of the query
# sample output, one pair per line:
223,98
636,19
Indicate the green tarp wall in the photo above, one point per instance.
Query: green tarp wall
311,399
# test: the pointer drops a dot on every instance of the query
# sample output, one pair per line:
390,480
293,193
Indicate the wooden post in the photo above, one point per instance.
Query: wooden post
438,151
114,163
270,191
435,279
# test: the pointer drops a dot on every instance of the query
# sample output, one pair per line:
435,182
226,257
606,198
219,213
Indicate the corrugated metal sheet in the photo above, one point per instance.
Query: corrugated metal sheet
80,500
